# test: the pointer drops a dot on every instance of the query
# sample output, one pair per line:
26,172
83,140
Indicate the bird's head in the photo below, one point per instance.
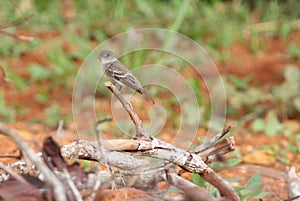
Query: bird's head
106,56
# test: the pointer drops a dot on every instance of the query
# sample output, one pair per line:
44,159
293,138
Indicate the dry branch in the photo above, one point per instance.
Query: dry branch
14,23
192,191
12,173
156,148
269,26
50,177
3,77
211,142
140,131
186,160
293,182
132,168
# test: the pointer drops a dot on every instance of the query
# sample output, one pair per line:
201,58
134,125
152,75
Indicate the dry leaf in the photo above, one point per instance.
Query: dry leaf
261,157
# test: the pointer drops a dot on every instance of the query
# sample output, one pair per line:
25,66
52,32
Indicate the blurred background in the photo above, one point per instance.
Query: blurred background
255,45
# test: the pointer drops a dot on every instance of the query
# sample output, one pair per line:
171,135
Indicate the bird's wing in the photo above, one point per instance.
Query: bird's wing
121,74
147,95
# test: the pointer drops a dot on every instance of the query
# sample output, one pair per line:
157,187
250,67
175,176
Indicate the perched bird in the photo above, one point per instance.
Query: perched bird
119,73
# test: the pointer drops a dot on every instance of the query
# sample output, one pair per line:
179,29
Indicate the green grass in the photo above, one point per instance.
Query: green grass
7,113
215,24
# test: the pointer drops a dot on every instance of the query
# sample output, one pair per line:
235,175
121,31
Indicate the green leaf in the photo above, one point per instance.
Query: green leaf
7,113
285,29
258,125
292,76
282,92
253,187
261,195
245,191
52,114
236,179
296,103
283,159
233,161
38,72
273,126
199,181
240,83
294,51
16,79
193,146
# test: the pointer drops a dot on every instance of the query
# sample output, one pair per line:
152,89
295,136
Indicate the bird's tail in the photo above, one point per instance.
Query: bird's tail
143,91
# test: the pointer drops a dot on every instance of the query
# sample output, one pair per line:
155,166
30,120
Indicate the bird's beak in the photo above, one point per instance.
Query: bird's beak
99,58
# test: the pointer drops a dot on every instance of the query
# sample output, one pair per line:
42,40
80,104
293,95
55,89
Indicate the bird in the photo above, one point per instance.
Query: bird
120,74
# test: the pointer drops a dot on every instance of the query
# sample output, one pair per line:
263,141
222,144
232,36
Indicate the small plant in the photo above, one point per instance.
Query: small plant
242,96
270,125
38,72
294,51
294,143
229,163
17,80
287,95
196,179
253,189
52,116
284,98
280,153
63,68
7,114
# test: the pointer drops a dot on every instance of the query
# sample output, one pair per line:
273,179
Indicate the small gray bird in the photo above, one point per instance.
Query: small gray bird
119,74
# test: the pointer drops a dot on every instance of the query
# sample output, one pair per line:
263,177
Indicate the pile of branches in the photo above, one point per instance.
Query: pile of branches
47,176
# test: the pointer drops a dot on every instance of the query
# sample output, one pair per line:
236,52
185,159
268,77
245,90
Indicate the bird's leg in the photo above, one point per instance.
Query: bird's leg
120,87
117,84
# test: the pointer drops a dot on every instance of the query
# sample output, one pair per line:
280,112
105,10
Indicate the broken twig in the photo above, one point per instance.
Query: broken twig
50,178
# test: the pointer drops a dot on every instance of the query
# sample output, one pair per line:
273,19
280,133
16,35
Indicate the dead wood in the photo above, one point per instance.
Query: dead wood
140,131
14,23
128,164
49,176
293,183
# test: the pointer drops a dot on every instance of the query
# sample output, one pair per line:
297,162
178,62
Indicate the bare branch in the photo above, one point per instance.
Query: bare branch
192,191
87,149
59,191
71,184
3,77
211,142
14,23
140,131
269,26
293,182
102,160
17,36
186,160
223,186
84,149
59,129
13,173
221,148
